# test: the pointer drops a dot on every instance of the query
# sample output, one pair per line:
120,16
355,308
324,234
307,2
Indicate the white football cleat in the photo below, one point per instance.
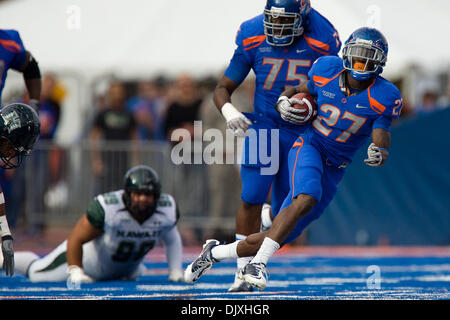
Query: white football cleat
203,263
255,274
240,285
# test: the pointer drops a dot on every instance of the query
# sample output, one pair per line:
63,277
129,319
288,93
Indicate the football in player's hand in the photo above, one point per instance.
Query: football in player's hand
308,107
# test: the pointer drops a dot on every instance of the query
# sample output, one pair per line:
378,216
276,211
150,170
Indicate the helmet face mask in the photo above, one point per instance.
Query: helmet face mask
141,180
365,53
283,21
20,130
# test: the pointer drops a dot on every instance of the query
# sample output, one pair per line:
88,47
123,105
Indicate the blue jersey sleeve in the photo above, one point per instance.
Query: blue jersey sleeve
382,122
14,44
386,99
240,64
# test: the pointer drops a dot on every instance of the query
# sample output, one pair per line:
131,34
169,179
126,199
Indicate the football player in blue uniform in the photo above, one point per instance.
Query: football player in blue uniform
14,56
354,103
280,46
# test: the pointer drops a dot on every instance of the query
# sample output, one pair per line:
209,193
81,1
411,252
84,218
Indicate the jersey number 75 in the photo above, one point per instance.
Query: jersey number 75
292,74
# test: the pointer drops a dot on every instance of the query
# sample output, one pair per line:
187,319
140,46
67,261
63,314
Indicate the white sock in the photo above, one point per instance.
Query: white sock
242,261
267,249
265,216
225,251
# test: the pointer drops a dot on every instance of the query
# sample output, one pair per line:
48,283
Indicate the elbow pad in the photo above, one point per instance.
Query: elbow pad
32,70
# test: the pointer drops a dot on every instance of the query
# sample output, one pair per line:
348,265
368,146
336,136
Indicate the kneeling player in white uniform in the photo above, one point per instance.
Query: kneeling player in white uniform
110,241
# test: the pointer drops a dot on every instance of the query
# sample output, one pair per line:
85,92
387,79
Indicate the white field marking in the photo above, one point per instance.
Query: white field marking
58,289
325,269
400,293
434,278
201,286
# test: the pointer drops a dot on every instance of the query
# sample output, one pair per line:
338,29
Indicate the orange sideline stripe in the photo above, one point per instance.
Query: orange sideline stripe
296,144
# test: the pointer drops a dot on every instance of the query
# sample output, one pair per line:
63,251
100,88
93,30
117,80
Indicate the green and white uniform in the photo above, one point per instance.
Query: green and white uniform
119,251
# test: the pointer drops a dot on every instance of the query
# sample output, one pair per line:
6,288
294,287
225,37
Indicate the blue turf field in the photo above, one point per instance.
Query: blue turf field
319,274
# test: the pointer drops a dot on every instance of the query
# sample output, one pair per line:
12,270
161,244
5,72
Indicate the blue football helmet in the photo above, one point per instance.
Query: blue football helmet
283,20
365,53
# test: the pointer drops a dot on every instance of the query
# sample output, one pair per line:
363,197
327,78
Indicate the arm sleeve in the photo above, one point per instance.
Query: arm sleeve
174,248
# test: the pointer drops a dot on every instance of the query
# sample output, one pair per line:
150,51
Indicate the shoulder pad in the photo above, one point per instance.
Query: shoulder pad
12,42
324,69
251,32
321,35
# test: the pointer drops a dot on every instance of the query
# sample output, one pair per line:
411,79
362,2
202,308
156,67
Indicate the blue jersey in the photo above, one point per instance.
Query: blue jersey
12,54
278,67
344,122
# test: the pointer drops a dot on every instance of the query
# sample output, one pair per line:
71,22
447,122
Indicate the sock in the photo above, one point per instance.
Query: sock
267,249
225,251
265,216
242,261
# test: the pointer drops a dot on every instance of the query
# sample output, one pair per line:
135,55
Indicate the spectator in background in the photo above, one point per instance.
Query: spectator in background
112,125
185,106
224,197
148,110
190,179
48,157
46,160
429,102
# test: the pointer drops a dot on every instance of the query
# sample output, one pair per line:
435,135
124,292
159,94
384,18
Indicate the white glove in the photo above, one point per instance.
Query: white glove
77,275
176,275
374,156
289,113
236,121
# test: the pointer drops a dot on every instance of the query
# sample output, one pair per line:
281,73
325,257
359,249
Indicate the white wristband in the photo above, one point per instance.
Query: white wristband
2,198
4,228
230,112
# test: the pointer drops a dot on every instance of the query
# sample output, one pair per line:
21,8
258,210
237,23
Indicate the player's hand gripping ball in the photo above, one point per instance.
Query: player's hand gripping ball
299,109
306,106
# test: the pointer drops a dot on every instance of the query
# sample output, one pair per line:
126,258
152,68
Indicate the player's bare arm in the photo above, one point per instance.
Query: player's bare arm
83,232
236,121
290,91
223,91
